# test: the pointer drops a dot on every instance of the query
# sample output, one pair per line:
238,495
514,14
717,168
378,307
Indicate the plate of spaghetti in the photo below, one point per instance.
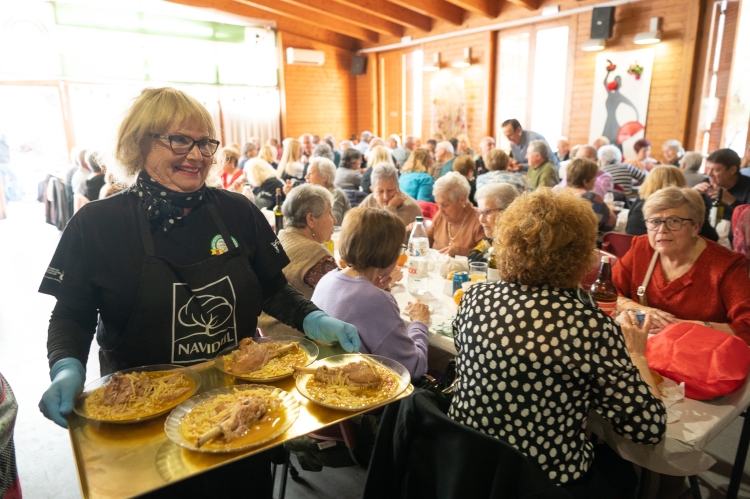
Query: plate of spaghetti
352,382
232,418
266,359
137,394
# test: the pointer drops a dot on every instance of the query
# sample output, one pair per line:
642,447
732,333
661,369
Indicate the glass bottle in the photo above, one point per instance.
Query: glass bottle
277,212
604,291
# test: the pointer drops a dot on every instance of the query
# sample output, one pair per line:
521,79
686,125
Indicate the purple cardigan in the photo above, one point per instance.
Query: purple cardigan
377,318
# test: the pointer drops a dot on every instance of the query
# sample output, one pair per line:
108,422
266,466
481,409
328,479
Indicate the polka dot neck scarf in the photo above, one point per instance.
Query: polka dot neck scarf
164,207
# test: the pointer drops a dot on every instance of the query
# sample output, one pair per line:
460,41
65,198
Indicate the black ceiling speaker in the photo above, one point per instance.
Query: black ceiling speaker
359,65
602,22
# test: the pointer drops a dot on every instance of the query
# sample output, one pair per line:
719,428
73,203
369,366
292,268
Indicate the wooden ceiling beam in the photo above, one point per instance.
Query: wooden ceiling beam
310,16
487,8
283,24
528,4
351,15
439,9
392,12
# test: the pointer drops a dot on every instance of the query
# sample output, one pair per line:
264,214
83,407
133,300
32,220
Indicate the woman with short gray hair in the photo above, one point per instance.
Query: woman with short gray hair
491,200
455,230
309,222
386,194
624,175
321,171
672,152
690,163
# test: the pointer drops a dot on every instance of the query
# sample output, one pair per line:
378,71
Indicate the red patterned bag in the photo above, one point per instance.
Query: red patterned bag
710,362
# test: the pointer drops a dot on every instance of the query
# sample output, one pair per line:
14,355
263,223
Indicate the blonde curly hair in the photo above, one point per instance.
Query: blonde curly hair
546,238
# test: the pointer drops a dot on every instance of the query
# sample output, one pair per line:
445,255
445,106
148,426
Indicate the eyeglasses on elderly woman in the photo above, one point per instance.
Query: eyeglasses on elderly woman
672,223
487,213
182,144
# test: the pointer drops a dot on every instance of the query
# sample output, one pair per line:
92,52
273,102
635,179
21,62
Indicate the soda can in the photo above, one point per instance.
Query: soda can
640,315
458,279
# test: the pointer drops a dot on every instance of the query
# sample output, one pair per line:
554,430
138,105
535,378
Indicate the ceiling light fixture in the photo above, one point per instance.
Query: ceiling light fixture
594,44
435,65
463,62
653,35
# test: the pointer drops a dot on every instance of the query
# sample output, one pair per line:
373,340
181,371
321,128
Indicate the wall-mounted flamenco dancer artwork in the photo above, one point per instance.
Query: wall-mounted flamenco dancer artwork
622,85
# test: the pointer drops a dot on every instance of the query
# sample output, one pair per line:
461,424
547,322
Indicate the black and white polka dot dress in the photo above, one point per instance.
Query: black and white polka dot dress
532,362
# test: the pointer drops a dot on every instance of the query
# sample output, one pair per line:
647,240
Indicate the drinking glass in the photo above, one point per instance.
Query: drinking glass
477,271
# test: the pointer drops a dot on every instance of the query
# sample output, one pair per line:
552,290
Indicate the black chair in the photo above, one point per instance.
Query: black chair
421,453
355,197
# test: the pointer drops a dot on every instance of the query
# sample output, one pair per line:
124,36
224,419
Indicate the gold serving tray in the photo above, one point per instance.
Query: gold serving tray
123,461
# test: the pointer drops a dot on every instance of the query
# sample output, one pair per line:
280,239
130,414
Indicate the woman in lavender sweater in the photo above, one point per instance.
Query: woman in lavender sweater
371,242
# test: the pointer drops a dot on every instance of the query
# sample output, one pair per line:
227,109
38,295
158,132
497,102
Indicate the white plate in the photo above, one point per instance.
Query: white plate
308,346
172,424
402,375
80,408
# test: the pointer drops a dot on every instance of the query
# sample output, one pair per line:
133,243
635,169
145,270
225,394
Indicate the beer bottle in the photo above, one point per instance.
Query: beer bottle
719,207
603,291
277,212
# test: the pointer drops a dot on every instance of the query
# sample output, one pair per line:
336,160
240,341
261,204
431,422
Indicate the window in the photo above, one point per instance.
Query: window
532,80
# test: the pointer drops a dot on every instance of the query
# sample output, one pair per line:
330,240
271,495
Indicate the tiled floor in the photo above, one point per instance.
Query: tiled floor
44,455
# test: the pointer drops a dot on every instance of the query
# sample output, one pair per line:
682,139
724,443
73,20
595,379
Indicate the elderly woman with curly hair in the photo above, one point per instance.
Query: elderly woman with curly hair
547,355
415,179
455,230
693,279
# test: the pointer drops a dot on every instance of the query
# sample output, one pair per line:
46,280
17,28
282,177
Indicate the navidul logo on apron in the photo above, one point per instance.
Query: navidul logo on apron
218,246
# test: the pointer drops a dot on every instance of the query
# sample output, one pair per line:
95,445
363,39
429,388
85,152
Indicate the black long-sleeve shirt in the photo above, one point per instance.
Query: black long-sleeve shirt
96,270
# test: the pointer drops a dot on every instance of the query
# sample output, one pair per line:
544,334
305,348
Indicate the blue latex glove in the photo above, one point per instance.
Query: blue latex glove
67,377
319,326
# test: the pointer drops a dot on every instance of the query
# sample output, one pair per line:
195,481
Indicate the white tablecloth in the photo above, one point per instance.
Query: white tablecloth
681,453
443,306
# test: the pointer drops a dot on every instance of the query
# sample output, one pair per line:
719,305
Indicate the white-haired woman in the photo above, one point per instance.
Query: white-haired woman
321,171
291,170
394,142
378,154
308,222
455,230
387,195
464,145
491,200
610,161
263,183
133,260
672,151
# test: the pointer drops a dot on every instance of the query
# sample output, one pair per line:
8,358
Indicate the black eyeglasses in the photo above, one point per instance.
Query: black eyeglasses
672,223
181,144
487,213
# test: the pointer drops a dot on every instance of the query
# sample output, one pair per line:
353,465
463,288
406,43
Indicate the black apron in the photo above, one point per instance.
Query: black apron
186,314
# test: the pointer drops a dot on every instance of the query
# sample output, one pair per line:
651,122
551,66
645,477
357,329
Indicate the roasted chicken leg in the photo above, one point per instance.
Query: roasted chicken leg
237,420
358,374
253,356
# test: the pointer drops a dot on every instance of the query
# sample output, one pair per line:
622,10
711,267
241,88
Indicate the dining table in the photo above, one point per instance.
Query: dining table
121,461
691,424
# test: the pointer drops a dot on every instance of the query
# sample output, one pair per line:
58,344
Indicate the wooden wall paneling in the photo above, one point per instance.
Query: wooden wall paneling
367,97
319,99
700,78
725,74
282,87
569,79
283,23
391,92
492,66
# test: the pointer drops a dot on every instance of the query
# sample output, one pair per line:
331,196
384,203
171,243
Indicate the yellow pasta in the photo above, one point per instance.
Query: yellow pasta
206,416
278,366
350,396
166,390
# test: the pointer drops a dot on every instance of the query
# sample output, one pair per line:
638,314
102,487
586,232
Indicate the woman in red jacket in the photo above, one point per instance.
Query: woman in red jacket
693,279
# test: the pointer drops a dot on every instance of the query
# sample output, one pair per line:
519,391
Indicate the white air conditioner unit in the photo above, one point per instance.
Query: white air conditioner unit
306,57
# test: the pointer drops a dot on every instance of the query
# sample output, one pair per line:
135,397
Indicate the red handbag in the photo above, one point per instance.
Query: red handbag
710,362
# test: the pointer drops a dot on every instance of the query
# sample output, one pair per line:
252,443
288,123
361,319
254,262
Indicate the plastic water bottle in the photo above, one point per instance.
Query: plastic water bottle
418,246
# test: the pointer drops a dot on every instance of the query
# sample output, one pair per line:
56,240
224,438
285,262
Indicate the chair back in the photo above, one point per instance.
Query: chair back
355,197
590,278
421,453
616,243
741,229
429,210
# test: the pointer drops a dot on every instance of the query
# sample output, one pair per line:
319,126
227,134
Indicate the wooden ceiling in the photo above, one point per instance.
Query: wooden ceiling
352,24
